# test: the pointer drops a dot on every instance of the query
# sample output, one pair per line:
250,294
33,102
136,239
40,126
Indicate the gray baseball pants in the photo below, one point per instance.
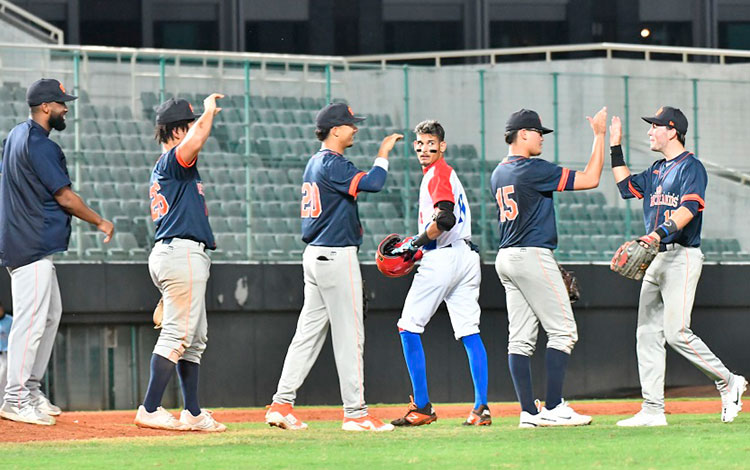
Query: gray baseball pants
535,293
664,313
37,308
333,296
180,271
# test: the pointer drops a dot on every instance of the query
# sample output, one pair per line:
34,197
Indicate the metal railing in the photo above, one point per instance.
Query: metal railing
549,53
31,23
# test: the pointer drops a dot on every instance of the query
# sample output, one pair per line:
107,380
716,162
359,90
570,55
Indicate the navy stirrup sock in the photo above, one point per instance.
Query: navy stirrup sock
415,362
161,371
557,363
189,372
478,365
520,371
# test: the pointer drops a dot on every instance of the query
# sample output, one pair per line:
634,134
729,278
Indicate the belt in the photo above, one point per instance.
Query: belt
670,247
167,241
472,246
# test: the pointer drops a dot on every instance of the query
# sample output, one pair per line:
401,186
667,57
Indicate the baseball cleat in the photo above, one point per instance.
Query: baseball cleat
416,416
25,414
643,418
731,402
529,420
563,415
281,415
42,403
159,419
365,423
203,422
479,417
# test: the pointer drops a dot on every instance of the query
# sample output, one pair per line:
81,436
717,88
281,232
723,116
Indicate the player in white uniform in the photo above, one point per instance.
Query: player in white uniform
449,272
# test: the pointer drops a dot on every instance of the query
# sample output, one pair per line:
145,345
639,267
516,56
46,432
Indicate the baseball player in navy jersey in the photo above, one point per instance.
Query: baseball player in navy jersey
449,272
36,204
333,283
534,289
673,191
179,265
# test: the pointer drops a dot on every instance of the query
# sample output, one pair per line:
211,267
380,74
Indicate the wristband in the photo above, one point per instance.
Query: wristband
422,240
618,159
666,229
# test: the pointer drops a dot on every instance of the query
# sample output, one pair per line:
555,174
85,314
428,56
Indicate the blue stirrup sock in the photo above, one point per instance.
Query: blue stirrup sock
478,365
189,372
557,364
415,362
520,372
161,372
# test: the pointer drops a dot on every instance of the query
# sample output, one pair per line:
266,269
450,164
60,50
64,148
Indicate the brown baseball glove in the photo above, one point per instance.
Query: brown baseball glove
634,257
571,284
158,314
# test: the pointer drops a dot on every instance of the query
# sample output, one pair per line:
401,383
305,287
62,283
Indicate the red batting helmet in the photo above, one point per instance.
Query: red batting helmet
394,265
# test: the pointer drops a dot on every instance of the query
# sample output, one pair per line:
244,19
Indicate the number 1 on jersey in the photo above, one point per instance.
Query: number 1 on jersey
311,200
508,207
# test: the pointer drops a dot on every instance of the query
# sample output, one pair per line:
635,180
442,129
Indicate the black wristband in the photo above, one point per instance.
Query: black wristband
618,159
422,240
667,228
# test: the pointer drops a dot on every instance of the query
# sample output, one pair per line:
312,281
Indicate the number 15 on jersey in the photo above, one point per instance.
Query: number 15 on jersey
508,207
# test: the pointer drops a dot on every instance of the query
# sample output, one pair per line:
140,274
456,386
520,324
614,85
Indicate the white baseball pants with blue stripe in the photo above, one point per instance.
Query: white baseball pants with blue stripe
37,308
664,314
333,296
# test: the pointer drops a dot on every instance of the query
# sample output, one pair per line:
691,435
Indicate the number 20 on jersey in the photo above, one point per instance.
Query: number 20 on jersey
311,207
508,207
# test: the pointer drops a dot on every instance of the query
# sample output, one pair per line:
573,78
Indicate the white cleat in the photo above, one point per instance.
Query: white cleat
42,403
643,418
563,415
529,420
203,422
25,414
159,419
366,423
731,402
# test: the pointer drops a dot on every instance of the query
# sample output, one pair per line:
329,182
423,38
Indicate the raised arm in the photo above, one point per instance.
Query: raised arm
619,169
199,132
589,177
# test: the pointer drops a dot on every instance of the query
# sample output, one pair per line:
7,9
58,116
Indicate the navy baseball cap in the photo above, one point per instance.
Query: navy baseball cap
174,110
47,90
525,119
336,114
670,117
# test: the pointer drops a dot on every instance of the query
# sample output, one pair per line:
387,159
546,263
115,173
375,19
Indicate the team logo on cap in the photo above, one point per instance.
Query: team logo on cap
191,108
62,88
350,110
659,111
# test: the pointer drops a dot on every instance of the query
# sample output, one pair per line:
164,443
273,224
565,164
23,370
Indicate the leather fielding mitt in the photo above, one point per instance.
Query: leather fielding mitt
571,284
158,314
634,257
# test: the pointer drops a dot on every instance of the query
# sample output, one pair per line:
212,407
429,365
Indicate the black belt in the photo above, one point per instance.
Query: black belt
672,246
167,241
473,246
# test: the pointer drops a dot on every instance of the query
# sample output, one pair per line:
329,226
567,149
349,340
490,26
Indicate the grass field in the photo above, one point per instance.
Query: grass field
689,442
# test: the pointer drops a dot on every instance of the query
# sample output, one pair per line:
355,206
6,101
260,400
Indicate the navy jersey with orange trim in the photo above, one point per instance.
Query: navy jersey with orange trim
666,186
330,185
178,205
523,188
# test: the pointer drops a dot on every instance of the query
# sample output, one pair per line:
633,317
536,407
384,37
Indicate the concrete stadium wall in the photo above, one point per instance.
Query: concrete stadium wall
102,353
